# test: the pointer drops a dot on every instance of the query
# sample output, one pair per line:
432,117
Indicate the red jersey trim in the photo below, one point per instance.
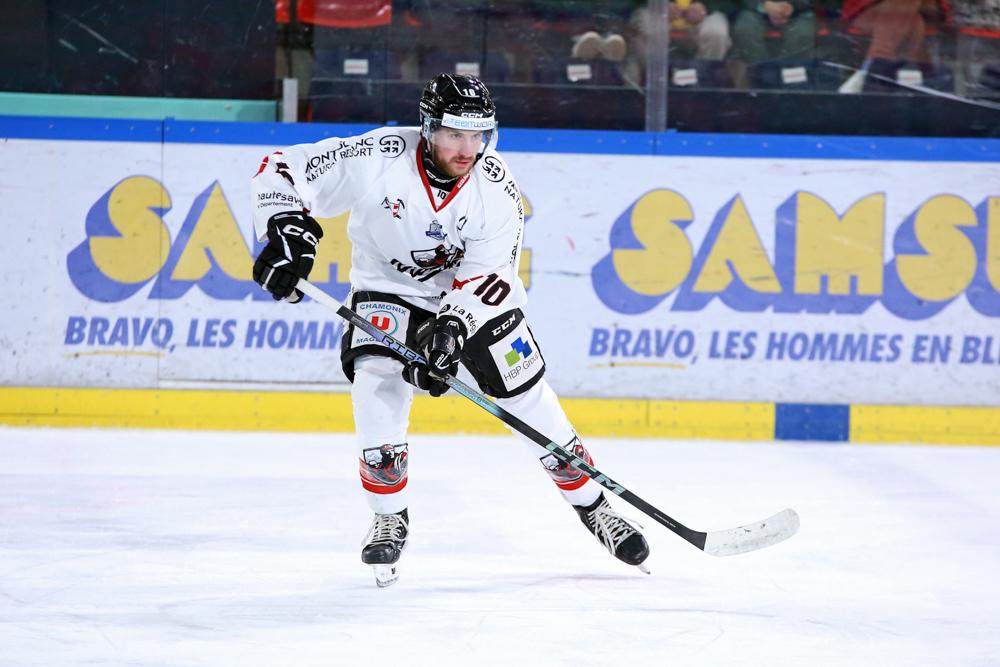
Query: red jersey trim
459,284
264,162
427,186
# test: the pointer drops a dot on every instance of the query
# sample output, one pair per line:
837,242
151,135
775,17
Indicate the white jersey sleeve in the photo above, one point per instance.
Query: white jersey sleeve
325,178
487,283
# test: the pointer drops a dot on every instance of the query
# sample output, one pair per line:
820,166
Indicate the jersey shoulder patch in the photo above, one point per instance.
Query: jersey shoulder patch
501,196
493,168
394,142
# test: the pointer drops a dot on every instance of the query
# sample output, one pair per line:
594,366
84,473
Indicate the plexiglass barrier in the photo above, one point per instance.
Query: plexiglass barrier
882,67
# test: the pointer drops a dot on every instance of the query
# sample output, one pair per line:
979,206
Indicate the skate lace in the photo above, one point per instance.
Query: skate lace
609,527
386,528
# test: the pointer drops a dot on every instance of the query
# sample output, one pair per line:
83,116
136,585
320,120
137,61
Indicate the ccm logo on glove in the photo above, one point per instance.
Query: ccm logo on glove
307,236
292,237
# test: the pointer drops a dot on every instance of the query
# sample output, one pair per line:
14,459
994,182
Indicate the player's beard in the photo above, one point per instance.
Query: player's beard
452,167
458,170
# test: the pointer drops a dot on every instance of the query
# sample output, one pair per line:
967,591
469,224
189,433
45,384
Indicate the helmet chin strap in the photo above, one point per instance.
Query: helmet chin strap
438,176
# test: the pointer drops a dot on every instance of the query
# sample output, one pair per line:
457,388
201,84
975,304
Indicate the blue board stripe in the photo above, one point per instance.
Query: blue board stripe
80,129
828,147
811,421
256,134
577,141
588,142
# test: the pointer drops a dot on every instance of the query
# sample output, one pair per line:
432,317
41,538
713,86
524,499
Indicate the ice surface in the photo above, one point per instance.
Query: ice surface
218,549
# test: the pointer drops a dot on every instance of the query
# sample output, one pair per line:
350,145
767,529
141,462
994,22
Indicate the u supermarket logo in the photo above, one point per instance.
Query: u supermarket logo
518,350
385,321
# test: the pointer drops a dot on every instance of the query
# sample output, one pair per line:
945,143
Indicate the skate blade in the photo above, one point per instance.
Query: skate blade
385,575
642,568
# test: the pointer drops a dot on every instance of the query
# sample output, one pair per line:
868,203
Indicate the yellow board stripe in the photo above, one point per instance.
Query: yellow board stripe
925,424
316,411
331,412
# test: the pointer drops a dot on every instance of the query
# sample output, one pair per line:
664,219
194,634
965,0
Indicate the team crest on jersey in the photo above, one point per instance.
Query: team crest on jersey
395,207
435,257
435,231
429,263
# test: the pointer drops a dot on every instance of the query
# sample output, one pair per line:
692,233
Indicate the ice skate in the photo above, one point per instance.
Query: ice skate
383,545
620,537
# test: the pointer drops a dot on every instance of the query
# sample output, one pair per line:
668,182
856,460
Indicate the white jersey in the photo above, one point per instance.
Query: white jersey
454,252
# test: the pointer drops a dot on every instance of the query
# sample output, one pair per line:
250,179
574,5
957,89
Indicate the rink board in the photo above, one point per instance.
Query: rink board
331,412
839,287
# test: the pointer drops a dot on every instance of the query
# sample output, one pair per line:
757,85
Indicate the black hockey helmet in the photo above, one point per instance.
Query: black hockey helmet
457,101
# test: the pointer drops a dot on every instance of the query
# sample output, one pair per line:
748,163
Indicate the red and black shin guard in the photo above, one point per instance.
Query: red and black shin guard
384,469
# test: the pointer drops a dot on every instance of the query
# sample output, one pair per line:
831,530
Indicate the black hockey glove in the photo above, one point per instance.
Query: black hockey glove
441,341
292,237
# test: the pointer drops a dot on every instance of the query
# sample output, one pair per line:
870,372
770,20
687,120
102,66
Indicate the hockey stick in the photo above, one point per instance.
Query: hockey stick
738,540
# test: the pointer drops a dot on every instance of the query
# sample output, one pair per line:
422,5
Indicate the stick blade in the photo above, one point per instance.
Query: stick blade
753,536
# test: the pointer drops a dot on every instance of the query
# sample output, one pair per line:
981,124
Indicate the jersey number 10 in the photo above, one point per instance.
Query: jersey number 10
493,290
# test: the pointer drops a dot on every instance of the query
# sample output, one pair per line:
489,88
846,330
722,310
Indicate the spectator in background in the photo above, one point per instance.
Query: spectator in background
978,15
977,47
706,21
793,19
897,30
605,20
592,44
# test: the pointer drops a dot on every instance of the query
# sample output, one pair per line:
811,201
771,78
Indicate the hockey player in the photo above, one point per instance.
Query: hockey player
435,222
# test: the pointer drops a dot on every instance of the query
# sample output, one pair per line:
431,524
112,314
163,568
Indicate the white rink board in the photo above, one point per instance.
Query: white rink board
627,297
